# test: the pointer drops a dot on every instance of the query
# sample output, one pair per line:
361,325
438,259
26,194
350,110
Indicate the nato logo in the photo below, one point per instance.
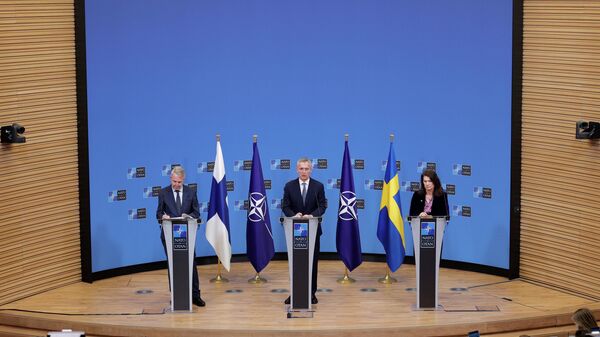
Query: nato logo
240,205
237,165
193,186
410,186
267,184
230,185
427,228
384,165
347,209
461,170
206,166
460,210
359,164
258,207
180,235
301,230
373,184
118,195
275,203
203,206
166,169
179,231
422,166
136,213
482,192
151,192
450,189
320,163
136,172
427,235
333,184
242,165
280,164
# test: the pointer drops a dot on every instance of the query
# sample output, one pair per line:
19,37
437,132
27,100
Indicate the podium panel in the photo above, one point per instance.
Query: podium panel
180,238
427,235
300,234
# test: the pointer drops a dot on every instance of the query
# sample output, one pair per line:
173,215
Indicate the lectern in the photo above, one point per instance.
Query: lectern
427,238
300,236
180,238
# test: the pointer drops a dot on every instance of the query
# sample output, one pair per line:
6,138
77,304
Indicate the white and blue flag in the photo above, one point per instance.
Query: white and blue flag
217,226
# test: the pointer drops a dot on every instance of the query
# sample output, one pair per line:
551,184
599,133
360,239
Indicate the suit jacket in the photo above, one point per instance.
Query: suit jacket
439,206
166,203
315,204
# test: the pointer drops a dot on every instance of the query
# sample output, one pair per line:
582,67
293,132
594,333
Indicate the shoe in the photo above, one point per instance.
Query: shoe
314,300
198,302
287,300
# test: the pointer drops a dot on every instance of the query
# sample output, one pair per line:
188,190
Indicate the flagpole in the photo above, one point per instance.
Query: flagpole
219,279
387,279
256,279
346,279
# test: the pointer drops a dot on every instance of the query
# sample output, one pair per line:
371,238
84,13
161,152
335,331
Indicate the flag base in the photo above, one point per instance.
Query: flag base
346,280
257,279
219,279
387,279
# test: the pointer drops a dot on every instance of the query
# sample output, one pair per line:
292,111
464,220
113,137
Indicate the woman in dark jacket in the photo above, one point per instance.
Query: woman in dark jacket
430,200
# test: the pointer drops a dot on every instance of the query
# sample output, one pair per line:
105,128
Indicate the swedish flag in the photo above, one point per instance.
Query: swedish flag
390,228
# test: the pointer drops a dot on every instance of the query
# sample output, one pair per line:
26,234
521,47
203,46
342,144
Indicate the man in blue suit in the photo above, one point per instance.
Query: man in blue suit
305,197
176,200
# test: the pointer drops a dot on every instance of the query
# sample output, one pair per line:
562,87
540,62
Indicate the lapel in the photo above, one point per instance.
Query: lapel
297,191
309,192
186,196
170,199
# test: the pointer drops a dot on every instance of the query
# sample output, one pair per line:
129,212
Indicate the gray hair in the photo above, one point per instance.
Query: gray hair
178,171
303,160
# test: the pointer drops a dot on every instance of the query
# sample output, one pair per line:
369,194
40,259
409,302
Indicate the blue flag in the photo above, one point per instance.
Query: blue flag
348,235
390,228
259,237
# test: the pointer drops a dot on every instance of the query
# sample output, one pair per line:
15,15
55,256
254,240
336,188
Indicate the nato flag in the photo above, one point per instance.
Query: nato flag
259,237
348,235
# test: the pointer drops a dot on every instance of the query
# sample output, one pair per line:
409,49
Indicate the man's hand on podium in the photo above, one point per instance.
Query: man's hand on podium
303,216
166,216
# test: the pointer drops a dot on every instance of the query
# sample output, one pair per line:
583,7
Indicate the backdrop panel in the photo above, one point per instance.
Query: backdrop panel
165,76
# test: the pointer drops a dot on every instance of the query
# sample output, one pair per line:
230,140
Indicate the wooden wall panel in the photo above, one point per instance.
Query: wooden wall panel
39,201
560,192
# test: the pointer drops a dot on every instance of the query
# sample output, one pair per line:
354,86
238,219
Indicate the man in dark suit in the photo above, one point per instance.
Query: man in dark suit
305,197
176,200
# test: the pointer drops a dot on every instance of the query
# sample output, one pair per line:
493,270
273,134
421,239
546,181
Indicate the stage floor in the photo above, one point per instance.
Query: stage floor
136,305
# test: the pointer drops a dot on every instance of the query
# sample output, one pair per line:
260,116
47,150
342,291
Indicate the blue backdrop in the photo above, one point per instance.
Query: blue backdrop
165,76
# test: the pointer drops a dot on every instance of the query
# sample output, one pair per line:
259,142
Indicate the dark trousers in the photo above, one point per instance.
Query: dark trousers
195,281
316,264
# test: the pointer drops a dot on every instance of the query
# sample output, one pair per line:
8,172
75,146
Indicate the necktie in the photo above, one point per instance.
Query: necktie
304,193
178,202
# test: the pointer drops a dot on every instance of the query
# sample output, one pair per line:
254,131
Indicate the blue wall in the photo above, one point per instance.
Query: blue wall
165,76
